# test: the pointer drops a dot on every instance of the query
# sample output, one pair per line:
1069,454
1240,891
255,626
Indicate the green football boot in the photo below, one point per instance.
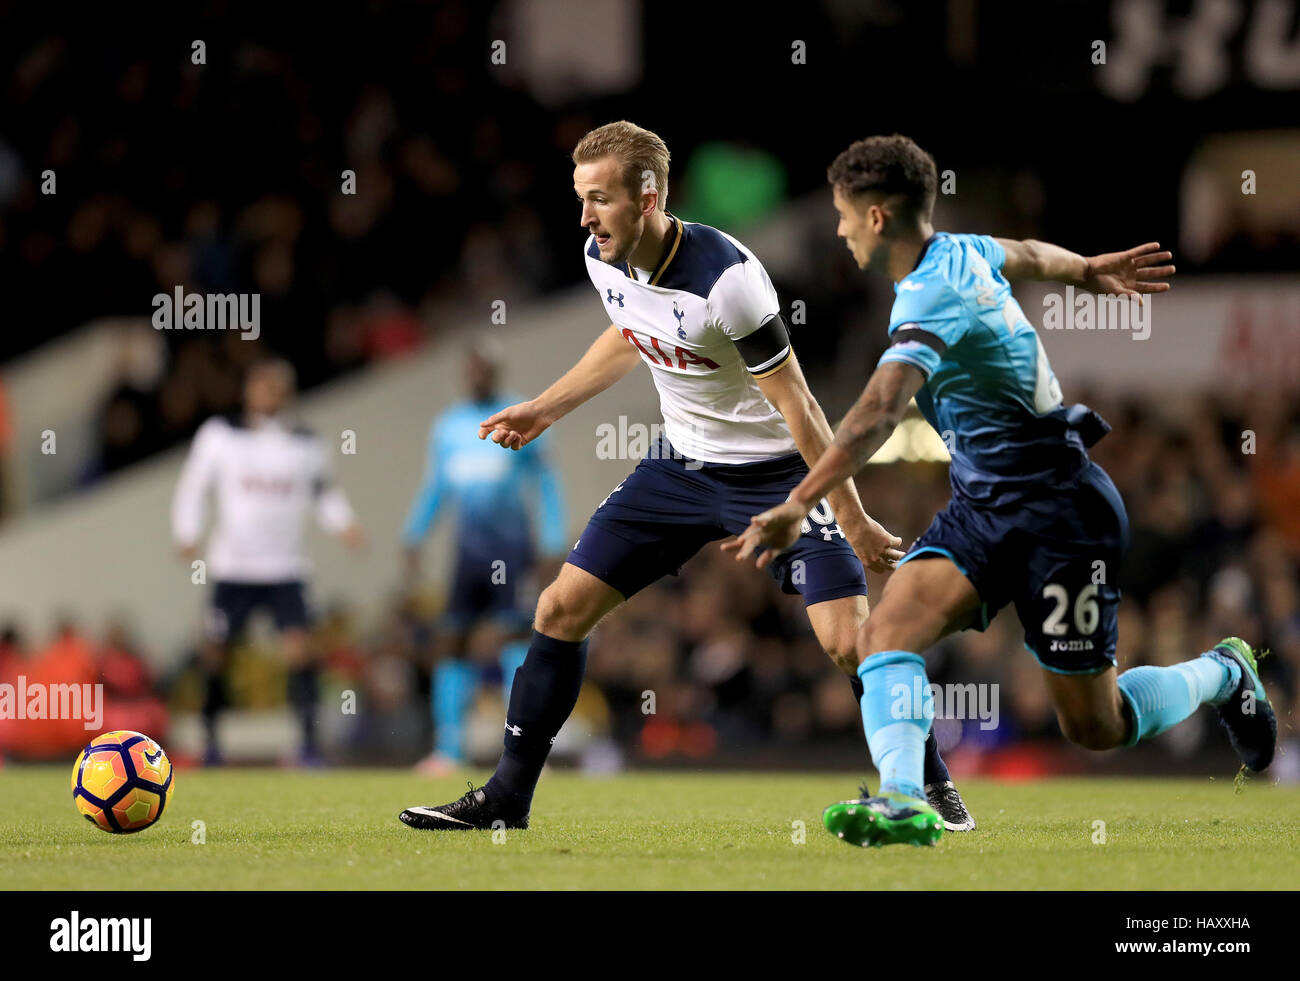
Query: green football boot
1247,715
886,819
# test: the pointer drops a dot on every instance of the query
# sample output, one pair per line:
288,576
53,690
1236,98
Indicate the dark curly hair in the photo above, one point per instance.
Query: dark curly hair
891,165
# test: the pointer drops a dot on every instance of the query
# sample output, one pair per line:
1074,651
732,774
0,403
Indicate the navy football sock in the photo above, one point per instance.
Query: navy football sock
544,692
214,700
936,771
303,693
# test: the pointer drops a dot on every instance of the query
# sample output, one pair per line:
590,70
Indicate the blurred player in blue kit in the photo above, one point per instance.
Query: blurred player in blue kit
489,496
1032,520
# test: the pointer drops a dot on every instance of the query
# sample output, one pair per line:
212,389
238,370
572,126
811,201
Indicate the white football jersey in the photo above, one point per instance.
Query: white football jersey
267,477
708,292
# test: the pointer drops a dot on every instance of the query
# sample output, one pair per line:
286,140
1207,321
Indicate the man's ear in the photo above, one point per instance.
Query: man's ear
877,217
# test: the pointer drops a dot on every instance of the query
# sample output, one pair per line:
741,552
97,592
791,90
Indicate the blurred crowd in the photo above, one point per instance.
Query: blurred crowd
367,217
363,215
251,150
131,697
716,663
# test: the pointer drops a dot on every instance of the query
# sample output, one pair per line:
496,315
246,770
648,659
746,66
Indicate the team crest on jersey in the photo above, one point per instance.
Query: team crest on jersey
679,314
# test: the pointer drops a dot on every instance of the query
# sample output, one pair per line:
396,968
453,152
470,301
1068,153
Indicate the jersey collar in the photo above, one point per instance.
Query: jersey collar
281,420
919,259
924,249
670,253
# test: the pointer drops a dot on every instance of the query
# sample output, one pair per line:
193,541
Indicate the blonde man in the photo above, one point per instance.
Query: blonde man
742,428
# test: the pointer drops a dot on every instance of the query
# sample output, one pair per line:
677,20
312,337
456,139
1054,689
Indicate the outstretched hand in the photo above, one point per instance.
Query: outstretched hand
774,530
1133,273
777,529
514,427
878,550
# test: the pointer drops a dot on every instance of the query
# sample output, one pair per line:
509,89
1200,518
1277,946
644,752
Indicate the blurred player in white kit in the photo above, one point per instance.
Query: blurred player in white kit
268,473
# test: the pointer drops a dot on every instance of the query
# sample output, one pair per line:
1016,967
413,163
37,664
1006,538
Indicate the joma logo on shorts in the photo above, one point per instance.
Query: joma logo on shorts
1070,645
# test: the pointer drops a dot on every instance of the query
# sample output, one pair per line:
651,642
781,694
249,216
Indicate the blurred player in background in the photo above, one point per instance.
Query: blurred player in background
742,427
268,473
1032,520
488,494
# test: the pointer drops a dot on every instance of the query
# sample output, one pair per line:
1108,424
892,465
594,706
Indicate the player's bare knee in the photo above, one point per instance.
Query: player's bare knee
551,611
1092,732
843,651
865,642
879,633
296,651
560,616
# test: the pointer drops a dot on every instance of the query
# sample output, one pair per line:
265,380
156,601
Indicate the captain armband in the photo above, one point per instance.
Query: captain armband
766,350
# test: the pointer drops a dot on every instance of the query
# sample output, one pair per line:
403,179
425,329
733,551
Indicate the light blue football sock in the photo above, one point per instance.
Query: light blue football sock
511,659
454,684
897,710
1229,685
1160,698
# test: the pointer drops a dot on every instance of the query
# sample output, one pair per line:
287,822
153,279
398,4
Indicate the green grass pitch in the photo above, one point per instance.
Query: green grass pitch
276,829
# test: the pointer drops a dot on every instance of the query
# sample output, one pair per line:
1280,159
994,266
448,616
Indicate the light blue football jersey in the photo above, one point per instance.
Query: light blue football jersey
489,488
990,391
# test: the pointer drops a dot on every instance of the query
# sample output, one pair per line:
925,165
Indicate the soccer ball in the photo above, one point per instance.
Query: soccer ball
122,781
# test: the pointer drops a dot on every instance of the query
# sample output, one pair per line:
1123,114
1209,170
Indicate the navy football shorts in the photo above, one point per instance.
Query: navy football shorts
1056,557
486,587
670,507
234,602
